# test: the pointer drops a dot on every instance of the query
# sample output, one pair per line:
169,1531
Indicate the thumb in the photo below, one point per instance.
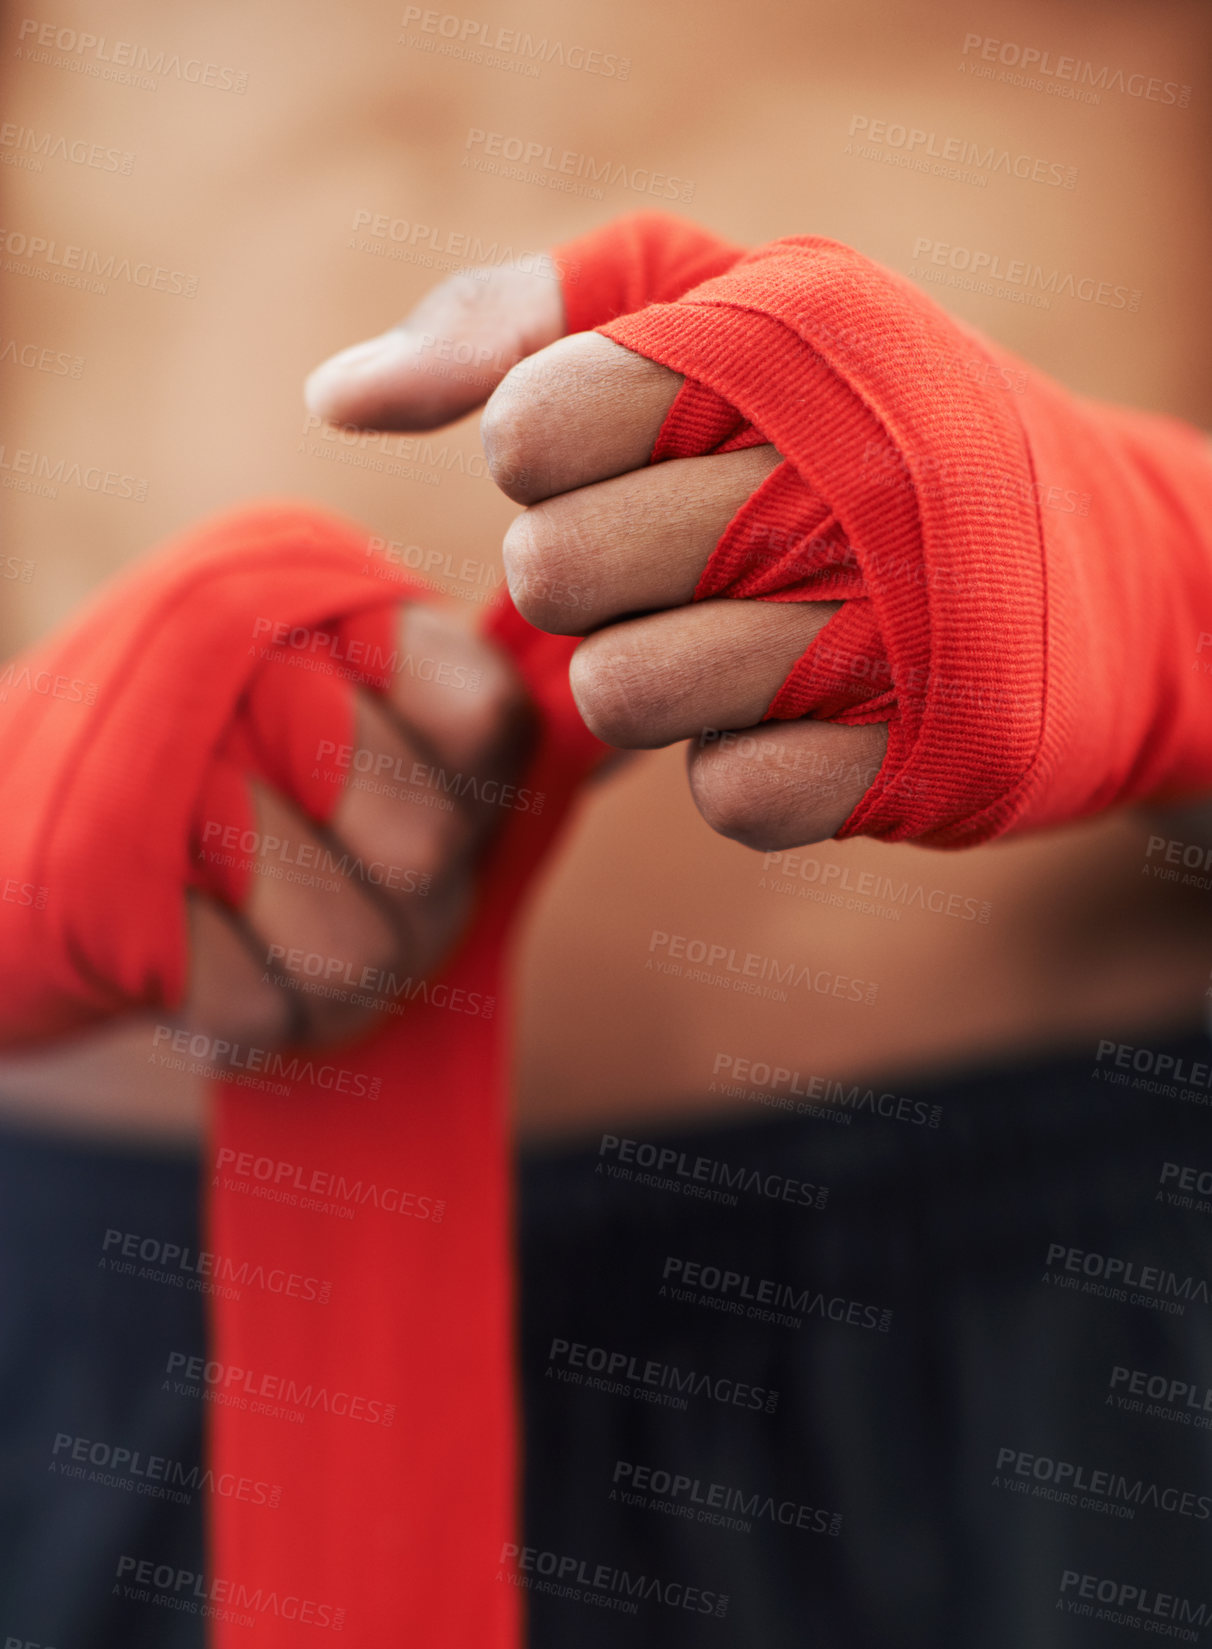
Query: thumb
447,355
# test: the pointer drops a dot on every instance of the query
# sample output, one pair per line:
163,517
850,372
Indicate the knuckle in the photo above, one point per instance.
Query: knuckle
525,552
351,940
499,702
614,690
502,692
360,967
453,677
376,943
734,803
543,549
465,293
512,431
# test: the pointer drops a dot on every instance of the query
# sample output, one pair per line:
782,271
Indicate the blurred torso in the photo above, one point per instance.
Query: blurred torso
271,198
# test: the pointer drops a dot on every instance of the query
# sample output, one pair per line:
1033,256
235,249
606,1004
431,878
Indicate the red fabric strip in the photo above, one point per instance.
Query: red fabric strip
1022,569
358,1241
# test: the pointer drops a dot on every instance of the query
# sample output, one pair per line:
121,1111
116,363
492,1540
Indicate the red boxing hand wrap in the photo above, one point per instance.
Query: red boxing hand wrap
357,1249
1025,573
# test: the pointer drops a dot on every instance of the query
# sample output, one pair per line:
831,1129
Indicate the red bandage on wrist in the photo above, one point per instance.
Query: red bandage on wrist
1026,574
357,1236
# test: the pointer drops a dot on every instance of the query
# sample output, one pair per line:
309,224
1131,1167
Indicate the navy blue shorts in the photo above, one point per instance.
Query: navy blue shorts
930,1367
991,1349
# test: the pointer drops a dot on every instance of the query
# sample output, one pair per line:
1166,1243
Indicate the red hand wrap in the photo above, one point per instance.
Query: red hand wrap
119,739
1025,573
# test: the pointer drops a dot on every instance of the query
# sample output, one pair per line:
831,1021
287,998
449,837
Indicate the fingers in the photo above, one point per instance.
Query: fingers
447,355
786,783
457,690
321,936
337,918
400,837
581,410
717,664
569,432
284,967
229,994
632,544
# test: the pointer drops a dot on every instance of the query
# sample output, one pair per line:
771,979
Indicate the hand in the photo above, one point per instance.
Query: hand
386,886
383,889
446,357
568,432
576,423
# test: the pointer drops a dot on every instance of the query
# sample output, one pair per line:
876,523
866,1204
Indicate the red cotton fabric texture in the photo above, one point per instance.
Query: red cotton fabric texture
386,1512
1026,573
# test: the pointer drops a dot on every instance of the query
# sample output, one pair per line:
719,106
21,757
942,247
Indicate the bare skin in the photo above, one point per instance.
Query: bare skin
259,197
